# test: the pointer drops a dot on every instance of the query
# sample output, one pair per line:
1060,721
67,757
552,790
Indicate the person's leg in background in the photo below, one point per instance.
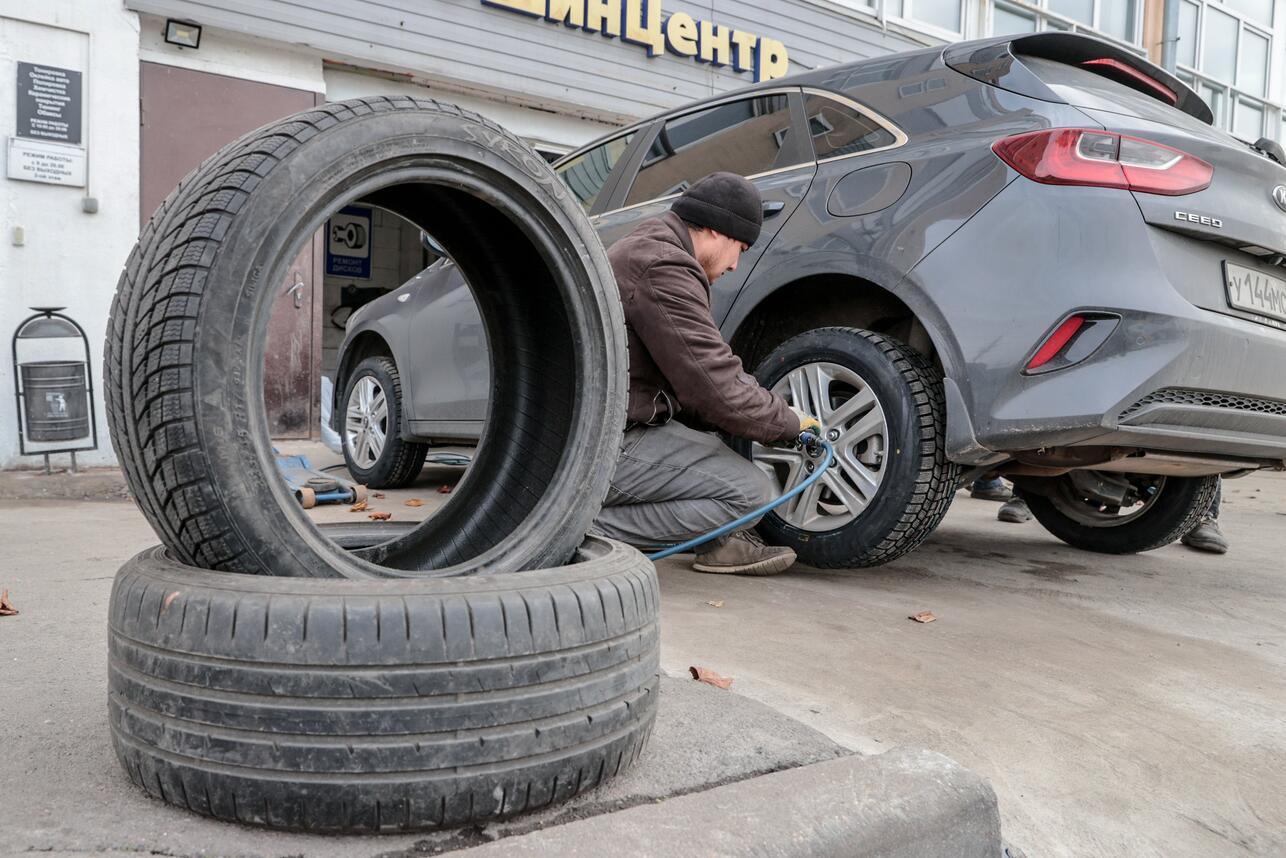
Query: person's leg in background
992,490
1207,536
673,483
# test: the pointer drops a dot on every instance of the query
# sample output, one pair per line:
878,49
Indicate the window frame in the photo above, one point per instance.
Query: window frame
609,185
1231,92
900,137
621,192
1041,13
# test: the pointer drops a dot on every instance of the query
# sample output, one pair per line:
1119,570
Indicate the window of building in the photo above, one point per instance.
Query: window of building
1225,53
1116,19
746,137
937,17
586,174
838,129
1006,20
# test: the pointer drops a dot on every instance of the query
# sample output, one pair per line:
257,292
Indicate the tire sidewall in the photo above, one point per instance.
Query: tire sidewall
904,449
378,473
256,252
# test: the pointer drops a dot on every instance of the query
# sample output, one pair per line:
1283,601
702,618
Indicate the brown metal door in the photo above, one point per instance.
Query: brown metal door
186,116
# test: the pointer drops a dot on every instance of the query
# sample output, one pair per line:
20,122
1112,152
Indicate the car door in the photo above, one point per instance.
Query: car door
757,136
449,375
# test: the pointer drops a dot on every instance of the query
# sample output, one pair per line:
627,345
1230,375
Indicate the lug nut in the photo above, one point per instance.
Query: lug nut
832,435
808,466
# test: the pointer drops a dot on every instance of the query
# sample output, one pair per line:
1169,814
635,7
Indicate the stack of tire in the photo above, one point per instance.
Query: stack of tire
381,676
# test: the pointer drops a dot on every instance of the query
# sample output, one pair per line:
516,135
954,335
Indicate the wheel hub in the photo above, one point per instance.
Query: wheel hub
366,422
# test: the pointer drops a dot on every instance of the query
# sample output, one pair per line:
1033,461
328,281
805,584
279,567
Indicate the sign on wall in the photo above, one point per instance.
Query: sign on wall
52,163
49,103
348,243
640,22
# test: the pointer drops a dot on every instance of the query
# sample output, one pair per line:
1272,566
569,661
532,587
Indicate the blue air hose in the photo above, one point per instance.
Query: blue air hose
807,440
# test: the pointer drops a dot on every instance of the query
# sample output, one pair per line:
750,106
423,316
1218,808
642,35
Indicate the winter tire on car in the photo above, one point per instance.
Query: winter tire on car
381,705
374,450
881,405
184,358
1166,509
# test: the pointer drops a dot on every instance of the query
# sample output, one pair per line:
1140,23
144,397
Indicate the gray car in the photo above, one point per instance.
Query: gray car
1030,256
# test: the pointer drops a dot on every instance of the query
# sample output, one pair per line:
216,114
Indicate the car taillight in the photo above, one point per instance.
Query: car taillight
1080,156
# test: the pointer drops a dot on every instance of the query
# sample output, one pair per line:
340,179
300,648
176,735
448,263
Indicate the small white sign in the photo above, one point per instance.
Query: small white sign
54,163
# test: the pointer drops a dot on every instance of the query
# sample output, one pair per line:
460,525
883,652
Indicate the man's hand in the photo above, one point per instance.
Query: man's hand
807,422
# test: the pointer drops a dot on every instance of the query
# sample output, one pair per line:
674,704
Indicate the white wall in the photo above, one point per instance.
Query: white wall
69,258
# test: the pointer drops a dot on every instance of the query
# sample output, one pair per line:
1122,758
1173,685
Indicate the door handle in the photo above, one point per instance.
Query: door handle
773,208
297,290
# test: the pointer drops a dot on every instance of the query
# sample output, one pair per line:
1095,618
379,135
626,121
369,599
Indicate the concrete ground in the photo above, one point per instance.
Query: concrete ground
1118,705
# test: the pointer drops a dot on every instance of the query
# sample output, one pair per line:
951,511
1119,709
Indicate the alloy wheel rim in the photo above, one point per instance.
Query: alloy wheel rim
366,422
854,422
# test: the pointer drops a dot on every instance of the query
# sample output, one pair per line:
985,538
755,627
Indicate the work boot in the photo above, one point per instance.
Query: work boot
992,490
1207,536
1015,511
743,553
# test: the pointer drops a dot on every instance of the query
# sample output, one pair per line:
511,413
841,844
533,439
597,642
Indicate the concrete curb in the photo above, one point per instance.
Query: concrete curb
906,803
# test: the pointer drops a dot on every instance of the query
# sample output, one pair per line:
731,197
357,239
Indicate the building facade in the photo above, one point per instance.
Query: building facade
151,97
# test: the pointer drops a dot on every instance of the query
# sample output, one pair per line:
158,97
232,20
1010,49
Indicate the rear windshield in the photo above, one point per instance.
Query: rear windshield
1081,87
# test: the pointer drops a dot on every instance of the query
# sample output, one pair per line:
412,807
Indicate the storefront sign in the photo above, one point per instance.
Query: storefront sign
49,103
348,243
55,163
640,22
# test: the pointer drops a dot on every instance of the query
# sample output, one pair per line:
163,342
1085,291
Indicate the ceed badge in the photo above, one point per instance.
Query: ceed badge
1203,220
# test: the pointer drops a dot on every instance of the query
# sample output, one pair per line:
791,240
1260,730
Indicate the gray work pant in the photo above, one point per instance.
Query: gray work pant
673,483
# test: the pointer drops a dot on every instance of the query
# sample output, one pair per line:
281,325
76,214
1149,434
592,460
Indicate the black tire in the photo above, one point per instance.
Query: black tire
399,461
364,706
1178,507
184,356
918,482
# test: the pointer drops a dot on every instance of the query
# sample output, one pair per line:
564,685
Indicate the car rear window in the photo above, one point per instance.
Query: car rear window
1081,87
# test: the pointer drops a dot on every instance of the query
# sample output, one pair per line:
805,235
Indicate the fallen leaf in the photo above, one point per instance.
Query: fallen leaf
415,502
381,516
444,490
6,607
706,675
923,617
168,599
378,495
360,506
716,604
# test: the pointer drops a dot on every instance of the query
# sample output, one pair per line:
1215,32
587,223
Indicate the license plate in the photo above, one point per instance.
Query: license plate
1254,291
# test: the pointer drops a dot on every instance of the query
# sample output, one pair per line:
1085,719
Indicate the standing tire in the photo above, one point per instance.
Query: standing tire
374,450
184,359
366,706
1172,507
891,483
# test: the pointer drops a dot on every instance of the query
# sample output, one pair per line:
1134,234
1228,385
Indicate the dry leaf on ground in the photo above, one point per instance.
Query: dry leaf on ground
923,617
444,490
360,506
381,516
715,603
6,607
705,674
414,502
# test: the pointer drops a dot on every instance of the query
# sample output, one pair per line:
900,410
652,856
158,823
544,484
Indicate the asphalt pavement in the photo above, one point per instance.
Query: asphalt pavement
1117,705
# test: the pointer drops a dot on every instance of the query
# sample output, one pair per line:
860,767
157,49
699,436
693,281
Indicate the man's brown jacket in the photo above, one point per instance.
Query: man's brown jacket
680,366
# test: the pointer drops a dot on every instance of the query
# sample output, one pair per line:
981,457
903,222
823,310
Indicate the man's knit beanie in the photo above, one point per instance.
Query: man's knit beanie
724,202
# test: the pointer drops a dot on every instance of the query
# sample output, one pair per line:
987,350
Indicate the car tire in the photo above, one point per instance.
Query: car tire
915,480
184,358
384,460
381,705
1179,506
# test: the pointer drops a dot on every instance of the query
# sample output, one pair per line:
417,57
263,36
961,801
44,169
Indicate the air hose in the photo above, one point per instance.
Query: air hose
808,441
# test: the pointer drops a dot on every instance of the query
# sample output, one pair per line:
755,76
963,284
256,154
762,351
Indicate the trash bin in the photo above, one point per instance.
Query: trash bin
55,390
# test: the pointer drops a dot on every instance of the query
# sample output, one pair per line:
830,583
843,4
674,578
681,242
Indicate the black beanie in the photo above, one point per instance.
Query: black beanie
724,202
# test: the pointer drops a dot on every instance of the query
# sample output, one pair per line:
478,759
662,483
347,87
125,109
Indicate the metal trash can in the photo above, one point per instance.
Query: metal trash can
54,399
55,386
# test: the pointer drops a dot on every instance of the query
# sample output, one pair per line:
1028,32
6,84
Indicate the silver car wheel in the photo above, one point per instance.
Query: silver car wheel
855,426
366,422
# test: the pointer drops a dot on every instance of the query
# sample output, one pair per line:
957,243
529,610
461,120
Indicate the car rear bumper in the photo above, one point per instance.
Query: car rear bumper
1171,376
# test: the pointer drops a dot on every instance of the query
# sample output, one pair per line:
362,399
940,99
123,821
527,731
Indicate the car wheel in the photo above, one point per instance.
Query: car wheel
1157,511
184,367
374,450
881,404
381,705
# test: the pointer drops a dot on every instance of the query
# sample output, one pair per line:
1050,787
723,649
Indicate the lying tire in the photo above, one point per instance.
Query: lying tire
184,358
1168,507
891,483
374,450
364,706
